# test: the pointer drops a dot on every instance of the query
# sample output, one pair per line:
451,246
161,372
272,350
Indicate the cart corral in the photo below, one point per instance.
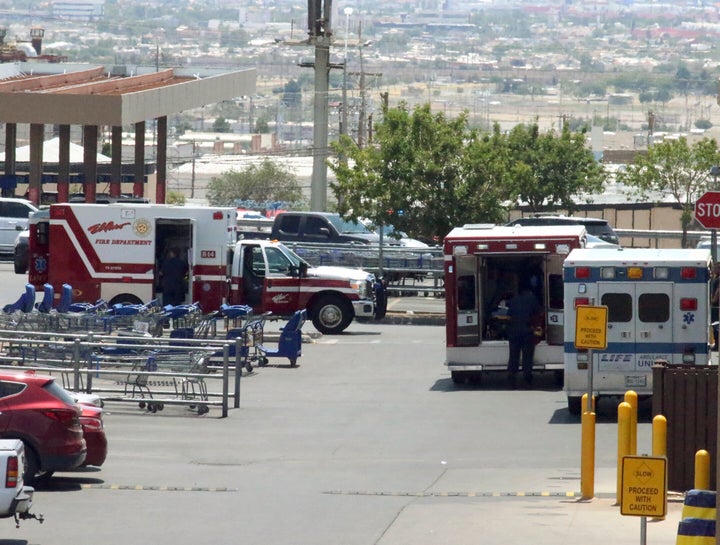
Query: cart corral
147,355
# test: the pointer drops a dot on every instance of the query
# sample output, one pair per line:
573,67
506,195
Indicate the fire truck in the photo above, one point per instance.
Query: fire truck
111,252
483,267
657,304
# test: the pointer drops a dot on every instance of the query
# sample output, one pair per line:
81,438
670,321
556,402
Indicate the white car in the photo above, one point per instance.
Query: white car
394,237
595,242
14,215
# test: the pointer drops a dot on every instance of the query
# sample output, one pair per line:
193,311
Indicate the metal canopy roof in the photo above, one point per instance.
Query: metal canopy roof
71,94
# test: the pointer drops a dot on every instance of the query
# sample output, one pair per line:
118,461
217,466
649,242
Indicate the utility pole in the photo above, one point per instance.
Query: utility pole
320,34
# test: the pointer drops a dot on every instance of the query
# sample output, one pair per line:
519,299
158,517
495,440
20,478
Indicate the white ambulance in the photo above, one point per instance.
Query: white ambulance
658,309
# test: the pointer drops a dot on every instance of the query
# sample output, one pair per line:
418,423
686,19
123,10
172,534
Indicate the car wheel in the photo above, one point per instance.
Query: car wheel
19,265
332,314
33,473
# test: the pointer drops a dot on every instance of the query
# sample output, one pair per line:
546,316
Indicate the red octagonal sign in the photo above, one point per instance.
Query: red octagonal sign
707,210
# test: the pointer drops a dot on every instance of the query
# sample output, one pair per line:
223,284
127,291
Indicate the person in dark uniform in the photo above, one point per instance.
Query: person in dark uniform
173,271
523,310
715,303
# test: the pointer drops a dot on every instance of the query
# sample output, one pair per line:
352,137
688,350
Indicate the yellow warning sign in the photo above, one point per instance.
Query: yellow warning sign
644,486
591,327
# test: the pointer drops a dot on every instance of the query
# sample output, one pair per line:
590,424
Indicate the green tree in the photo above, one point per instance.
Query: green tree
292,94
424,174
262,126
550,169
175,197
264,182
221,125
675,169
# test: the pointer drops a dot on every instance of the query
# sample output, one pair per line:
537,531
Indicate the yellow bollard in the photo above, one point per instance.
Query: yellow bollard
659,436
631,397
584,403
624,423
702,470
587,456
659,441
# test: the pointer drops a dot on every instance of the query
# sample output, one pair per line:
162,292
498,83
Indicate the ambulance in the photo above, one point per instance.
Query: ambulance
483,268
658,308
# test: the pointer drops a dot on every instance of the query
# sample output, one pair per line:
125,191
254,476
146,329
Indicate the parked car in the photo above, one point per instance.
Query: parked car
39,412
392,236
592,241
93,427
598,227
14,214
21,252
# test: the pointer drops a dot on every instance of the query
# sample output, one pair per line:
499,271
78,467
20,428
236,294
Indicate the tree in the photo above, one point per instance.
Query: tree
221,125
551,170
675,169
175,197
424,174
261,183
292,94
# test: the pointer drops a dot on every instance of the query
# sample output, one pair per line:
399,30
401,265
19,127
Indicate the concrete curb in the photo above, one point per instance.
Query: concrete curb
413,318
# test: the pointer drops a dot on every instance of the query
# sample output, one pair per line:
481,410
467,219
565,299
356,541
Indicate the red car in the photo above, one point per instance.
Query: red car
39,412
93,427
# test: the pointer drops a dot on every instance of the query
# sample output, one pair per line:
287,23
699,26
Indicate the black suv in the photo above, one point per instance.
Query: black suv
594,226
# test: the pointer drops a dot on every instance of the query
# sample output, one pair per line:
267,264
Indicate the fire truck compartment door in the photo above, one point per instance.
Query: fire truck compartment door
467,297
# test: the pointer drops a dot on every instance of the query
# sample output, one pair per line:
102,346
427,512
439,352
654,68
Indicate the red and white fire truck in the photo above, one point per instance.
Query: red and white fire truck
112,251
483,267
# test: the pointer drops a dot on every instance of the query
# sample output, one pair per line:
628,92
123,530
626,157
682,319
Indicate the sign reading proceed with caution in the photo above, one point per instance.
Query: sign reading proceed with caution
644,486
591,327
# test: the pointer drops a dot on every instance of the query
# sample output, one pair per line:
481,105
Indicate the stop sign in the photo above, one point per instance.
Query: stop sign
707,210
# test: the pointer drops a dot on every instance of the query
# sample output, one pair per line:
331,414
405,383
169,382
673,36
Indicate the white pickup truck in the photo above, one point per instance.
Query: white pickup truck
15,498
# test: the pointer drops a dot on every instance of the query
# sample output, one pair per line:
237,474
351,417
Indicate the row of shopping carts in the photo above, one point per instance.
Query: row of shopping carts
132,338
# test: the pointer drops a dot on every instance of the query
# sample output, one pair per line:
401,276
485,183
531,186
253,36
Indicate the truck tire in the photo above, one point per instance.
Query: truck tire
125,299
574,405
332,314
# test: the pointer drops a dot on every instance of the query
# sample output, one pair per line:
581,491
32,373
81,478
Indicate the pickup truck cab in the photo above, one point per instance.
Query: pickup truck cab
269,277
15,498
320,227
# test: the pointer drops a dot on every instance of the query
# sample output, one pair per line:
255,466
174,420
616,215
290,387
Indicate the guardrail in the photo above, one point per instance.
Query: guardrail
408,270
657,235
131,369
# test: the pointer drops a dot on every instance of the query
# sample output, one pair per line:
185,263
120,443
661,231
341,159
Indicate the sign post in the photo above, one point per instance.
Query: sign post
591,334
644,489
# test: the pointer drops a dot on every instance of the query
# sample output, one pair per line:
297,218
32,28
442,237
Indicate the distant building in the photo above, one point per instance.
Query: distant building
78,10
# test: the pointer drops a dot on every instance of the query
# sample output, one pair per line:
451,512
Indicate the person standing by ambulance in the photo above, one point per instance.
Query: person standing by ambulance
173,270
715,303
523,309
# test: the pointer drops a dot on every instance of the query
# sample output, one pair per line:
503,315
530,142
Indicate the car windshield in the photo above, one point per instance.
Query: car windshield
348,226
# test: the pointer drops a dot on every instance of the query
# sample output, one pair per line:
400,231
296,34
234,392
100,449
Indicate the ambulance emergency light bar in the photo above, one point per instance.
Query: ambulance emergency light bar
635,273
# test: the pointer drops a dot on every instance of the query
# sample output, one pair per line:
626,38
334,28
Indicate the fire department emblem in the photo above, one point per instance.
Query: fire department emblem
142,227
